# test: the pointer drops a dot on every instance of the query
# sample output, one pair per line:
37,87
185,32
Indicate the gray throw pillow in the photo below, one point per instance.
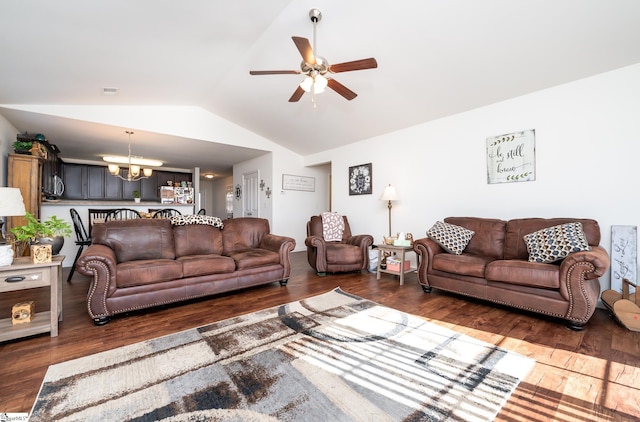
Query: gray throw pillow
452,238
555,243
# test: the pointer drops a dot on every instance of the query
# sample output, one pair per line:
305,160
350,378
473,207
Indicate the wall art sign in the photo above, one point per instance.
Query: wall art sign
624,263
360,179
511,157
304,183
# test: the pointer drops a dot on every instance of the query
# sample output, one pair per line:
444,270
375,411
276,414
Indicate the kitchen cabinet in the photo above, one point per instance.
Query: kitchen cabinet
74,177
96,186
90,182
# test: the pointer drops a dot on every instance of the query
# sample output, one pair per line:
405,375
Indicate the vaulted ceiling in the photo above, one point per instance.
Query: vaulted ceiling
435,58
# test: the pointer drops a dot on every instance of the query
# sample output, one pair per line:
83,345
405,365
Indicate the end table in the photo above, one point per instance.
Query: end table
33,276
398,250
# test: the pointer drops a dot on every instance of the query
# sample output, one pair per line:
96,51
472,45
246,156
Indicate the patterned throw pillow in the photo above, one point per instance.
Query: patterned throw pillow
556,243
183,220
452,238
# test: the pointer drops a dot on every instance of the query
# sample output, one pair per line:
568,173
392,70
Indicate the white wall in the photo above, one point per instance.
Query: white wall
587,149
7,138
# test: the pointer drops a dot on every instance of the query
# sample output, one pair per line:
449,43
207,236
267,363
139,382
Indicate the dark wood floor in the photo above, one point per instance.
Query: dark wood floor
578,376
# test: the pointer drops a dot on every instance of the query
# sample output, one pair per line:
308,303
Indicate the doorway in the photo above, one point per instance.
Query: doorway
251,198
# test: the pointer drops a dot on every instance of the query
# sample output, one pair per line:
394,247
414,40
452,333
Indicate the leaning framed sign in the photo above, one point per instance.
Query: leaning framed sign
303,183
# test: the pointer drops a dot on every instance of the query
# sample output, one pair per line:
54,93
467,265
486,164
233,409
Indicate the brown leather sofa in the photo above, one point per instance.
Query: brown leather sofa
137,264
494,266
349,254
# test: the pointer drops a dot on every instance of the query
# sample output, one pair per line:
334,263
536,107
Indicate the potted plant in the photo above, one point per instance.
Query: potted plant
22,147
51,231
136,196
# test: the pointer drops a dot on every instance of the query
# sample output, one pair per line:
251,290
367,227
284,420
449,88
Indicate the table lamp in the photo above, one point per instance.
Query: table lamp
389,194
11,205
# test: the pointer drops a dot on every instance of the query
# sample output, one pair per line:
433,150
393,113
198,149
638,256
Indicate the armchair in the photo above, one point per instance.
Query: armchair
349,254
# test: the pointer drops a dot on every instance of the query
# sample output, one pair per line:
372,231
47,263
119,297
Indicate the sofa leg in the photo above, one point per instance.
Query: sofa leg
575,326
426,289
321,274
101,321
284,282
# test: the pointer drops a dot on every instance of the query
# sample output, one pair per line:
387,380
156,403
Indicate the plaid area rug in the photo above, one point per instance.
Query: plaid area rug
331,357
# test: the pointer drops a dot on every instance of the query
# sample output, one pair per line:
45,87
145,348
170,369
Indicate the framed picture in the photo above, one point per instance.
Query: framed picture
511,157
360,179
304,183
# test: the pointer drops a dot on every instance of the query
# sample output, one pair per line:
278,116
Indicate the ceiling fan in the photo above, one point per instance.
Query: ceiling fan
317,69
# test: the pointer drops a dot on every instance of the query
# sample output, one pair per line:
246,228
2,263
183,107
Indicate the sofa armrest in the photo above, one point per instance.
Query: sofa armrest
316,253
361,240
579,282
283,245
425,249
98,262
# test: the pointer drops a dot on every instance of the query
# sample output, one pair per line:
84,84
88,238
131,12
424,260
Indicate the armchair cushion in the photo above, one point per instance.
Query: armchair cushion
452,238
555,243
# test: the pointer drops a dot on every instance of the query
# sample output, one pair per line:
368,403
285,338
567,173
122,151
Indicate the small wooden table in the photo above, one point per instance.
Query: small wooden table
35,275
398,250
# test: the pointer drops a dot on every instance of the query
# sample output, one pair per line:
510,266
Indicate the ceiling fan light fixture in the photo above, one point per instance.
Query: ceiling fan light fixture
306,84
320,84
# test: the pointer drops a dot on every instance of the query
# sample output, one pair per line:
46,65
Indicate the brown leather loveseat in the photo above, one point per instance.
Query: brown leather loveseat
140,263
495,266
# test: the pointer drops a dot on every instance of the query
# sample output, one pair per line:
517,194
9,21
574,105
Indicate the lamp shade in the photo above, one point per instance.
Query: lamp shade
389,194
11,202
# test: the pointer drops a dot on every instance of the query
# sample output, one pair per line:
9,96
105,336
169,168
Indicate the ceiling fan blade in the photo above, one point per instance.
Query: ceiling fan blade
304,47
296,95
341,89
363,64
274,72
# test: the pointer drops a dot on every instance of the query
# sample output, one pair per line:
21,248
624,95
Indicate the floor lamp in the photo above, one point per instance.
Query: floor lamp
389,195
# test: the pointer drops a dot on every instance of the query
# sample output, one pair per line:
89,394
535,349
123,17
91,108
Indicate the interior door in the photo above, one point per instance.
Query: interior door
251,195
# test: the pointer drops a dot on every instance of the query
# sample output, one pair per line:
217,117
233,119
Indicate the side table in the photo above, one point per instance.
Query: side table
398,250
35,275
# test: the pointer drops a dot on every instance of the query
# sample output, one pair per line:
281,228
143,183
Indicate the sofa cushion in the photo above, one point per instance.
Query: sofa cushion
241,234
252,258
467,264
524,273
196,239
143,272
516,248
489,235
196,265
451,237
555,243
343,253
138,239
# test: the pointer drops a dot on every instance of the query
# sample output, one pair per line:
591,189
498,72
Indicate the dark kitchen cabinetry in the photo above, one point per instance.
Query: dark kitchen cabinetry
89,182
96,185
74,177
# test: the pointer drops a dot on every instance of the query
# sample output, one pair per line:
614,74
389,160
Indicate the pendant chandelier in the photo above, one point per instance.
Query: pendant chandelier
134,165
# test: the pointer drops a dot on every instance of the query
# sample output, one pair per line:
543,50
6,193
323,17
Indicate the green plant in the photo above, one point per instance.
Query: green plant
35,228
22,145
136,194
